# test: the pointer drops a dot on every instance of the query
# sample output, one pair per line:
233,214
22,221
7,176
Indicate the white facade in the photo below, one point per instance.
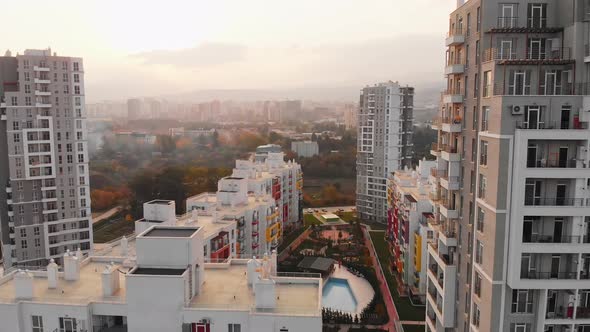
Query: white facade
305,148
384,144
166,287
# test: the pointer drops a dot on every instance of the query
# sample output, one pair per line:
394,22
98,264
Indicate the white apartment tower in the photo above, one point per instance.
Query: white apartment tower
384,144
512,193
45,195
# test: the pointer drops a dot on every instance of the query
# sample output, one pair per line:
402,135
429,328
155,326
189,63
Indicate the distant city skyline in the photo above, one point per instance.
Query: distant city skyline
133,49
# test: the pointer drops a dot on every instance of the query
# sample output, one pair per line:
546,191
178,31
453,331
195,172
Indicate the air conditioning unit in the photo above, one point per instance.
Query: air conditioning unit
516,110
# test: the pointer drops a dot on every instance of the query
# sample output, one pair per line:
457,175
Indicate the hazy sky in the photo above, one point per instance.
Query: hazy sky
138,48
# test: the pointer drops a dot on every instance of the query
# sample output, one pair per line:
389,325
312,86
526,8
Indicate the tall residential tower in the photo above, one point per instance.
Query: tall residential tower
512,188
384,144
44,187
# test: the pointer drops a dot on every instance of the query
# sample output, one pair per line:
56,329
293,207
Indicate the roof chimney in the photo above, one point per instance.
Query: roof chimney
79,255
71,267
23,285
264,288
52,269
124,246
110,280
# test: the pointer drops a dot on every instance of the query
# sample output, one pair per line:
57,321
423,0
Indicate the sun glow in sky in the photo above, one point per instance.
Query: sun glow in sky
135,48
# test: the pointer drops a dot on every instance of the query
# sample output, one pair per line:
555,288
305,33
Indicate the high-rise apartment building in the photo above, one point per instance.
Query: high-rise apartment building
384,144
513,179
133,109
44,194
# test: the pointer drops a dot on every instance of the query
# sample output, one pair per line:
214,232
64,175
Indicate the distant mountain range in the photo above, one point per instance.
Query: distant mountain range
426,94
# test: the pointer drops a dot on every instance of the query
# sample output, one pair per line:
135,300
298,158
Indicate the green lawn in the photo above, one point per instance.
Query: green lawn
309,219
405,309
347,216
112,228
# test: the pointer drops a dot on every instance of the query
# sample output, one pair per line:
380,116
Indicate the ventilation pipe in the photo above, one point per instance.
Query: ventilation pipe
110,280
71,267
23,285
52,269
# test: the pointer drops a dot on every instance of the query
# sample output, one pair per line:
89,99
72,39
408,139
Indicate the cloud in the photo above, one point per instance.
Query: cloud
203,55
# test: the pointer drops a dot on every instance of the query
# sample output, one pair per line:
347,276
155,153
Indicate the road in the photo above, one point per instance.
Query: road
107,214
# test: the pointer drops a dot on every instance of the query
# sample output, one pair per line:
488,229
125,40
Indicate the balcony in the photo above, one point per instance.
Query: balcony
547,275
515,24
42,93
455,37
455,69
532,56
451,124
42,81
448,209
450,182
453,96
549,125
449,153
435,149
556,201
42,105
563,88
564,239
41,68
556,164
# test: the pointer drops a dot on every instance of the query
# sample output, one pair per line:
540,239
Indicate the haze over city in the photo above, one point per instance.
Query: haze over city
165,48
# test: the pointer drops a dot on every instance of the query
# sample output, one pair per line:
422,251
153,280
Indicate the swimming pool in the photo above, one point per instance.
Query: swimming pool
337,295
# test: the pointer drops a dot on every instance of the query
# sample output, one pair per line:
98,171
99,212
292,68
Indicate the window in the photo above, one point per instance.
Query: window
485,117
23,232
473,150
67,324
476,313
524,327
477,285
36,230
483,153
480,219
537,15
479,252
478,19
76,78
76,66
522,301
66,89
76,89
234,328
482,186
487,83
27,88
37,323
468,32
37,242
27,77
23,244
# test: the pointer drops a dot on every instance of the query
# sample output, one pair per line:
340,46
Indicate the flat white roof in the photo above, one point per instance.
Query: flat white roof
329,216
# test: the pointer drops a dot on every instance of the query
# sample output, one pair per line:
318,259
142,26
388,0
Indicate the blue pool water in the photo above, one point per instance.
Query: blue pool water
337,295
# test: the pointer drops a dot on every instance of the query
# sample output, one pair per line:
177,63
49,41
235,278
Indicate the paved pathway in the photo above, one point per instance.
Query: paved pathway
391,311
107,214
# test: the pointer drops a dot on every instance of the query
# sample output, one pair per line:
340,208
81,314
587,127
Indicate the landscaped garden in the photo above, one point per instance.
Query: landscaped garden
345,245
405,309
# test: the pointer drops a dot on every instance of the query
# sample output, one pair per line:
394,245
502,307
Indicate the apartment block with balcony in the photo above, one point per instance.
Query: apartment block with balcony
516,113
165,284
408,231
385,127
45,194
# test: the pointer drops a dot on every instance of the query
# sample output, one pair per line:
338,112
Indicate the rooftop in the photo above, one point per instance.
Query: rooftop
88,288
226,286
158,271
170,232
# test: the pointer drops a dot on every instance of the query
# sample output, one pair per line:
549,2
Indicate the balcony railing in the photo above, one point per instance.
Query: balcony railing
563,89
447,148
547,54
539,238
450,120
454,91
507,22
438,172
583,312
455,32
551,125
548,275
435,147
557,201
543,163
